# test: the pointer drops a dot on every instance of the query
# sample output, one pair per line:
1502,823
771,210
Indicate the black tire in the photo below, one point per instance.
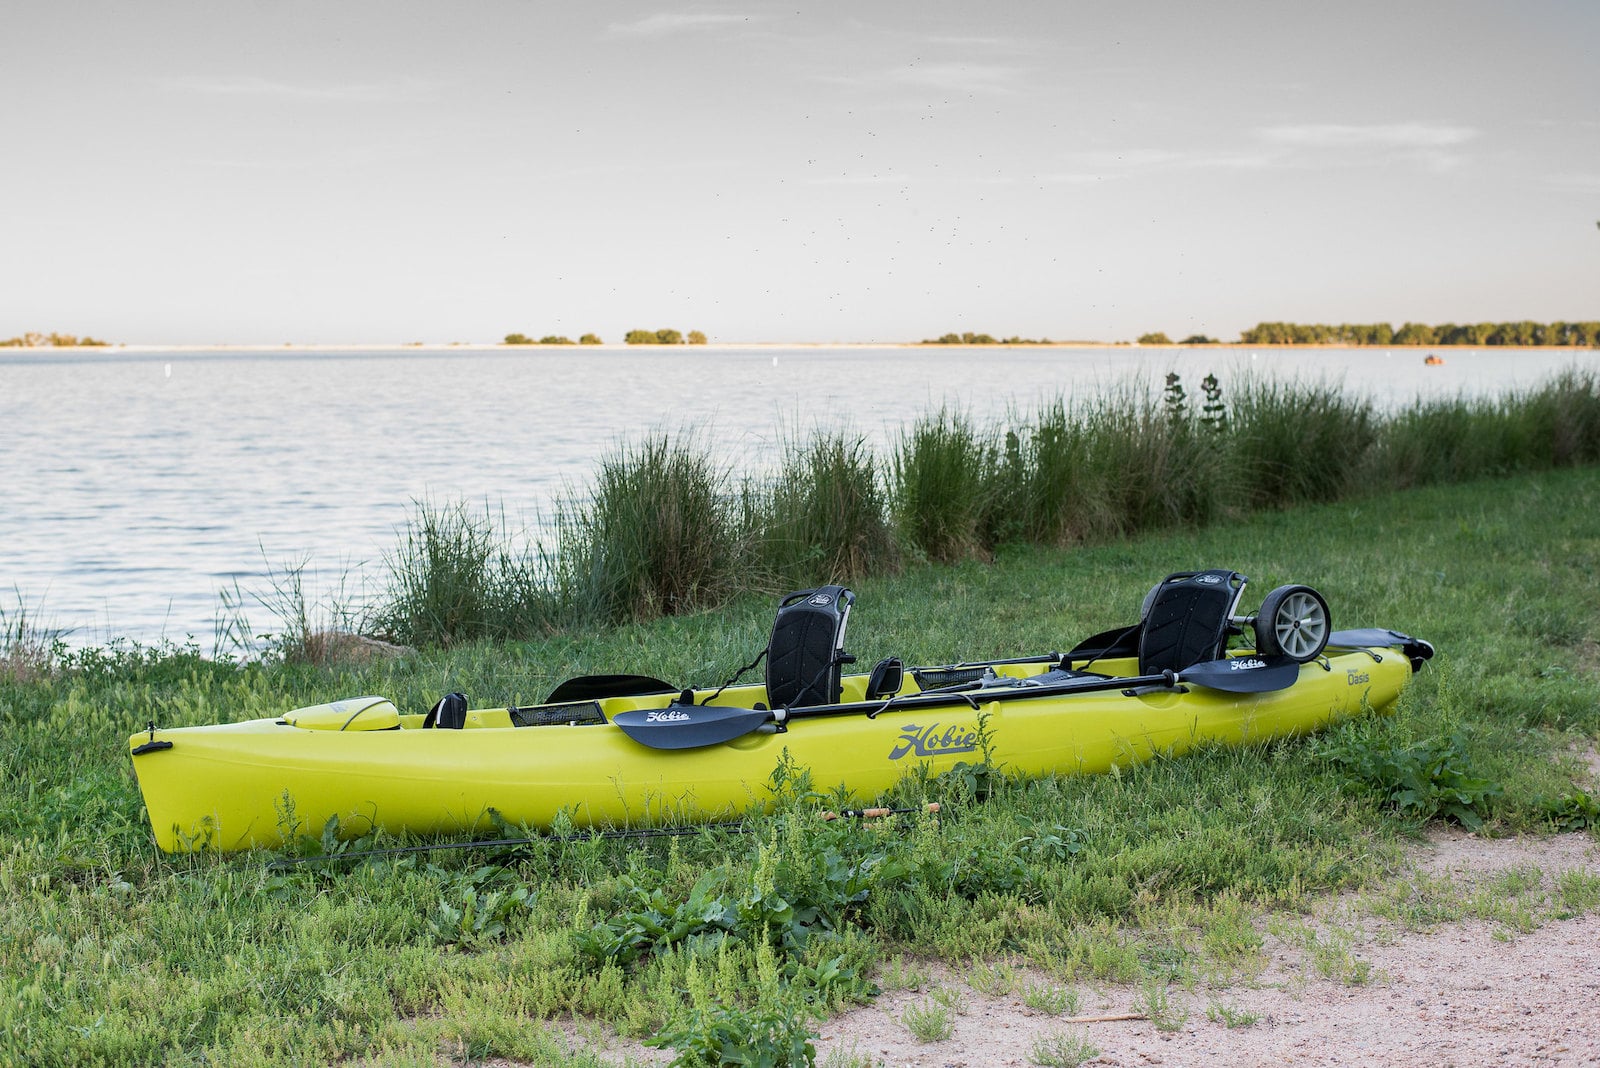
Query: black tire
1293,622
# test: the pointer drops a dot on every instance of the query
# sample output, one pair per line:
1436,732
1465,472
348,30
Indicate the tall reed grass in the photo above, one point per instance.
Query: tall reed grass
1160,469
825,517
1294,443
945,484
1566,413
1556,424
440,577
1444,441
667,528
660,535
28,650
1058,489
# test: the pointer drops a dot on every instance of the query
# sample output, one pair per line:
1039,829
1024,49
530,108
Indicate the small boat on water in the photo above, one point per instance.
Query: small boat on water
632,751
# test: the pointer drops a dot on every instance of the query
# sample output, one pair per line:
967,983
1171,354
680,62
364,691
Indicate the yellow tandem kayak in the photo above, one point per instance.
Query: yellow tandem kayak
628,751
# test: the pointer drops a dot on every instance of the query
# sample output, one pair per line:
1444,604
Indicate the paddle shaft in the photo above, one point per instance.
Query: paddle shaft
1273,677
693,726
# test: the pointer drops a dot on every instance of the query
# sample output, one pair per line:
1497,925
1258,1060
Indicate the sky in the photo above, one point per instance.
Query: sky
394,172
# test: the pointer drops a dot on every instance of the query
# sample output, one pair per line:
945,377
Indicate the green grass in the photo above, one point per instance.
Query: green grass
660,535
826,517
1052,1000
1229,1016
945,486
27,648
1299,443
929,1021
1063,1049
1155,1001
1165,874
1057,484
441,578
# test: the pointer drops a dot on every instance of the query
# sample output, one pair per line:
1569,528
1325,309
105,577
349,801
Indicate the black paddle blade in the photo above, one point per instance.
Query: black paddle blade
1108,645
1416,650
594,687
1244,674
688,726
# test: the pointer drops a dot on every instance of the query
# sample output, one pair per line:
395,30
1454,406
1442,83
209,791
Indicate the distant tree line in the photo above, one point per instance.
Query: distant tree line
1158,338
33,340
663,337
1582,334
969,338
552,339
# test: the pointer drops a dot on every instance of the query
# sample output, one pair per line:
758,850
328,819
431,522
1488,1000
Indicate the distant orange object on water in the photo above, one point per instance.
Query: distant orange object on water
1433,361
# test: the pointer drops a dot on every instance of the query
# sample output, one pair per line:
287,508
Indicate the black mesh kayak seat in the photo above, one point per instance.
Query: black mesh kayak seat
806,650
1188,620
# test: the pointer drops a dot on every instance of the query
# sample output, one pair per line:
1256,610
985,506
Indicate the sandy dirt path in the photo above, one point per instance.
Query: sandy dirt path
1463,993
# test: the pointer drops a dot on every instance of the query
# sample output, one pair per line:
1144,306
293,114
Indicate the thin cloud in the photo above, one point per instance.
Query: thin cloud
266,89
1426,145
1005,45
1402,135
667,22
1127,159
949,79
1113,163
1574,182
984,78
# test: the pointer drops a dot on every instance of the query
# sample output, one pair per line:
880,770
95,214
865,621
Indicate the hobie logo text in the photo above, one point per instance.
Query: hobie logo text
1248,663
671,715
930,741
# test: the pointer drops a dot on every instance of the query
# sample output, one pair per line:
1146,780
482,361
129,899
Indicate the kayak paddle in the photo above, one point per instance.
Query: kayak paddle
689,726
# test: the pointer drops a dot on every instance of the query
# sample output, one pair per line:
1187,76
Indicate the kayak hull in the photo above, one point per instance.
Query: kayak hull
263,783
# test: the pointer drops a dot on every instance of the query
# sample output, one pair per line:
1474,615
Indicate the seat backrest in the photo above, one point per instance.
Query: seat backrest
806,650
450,713
888,675
1188,619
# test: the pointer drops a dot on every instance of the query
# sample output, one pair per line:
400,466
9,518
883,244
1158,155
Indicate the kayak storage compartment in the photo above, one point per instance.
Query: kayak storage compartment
576,714
350,714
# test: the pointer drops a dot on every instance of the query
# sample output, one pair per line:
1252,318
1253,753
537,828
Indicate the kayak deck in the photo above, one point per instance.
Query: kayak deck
261,783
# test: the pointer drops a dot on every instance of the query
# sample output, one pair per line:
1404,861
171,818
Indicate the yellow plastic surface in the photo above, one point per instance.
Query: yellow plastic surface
256,783
349,714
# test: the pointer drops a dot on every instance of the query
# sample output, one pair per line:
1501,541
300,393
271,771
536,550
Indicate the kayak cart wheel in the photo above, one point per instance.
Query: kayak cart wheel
1293,622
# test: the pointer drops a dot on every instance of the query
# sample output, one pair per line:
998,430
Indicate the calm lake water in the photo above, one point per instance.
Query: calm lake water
138,485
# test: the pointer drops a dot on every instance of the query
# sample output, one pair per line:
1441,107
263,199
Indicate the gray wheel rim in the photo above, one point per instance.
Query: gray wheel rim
1301,626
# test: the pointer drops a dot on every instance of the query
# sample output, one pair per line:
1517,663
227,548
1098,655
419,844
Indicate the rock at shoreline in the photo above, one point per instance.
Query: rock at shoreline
329,647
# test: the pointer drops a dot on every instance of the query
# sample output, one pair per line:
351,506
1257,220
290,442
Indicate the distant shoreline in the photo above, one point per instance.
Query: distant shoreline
726,345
